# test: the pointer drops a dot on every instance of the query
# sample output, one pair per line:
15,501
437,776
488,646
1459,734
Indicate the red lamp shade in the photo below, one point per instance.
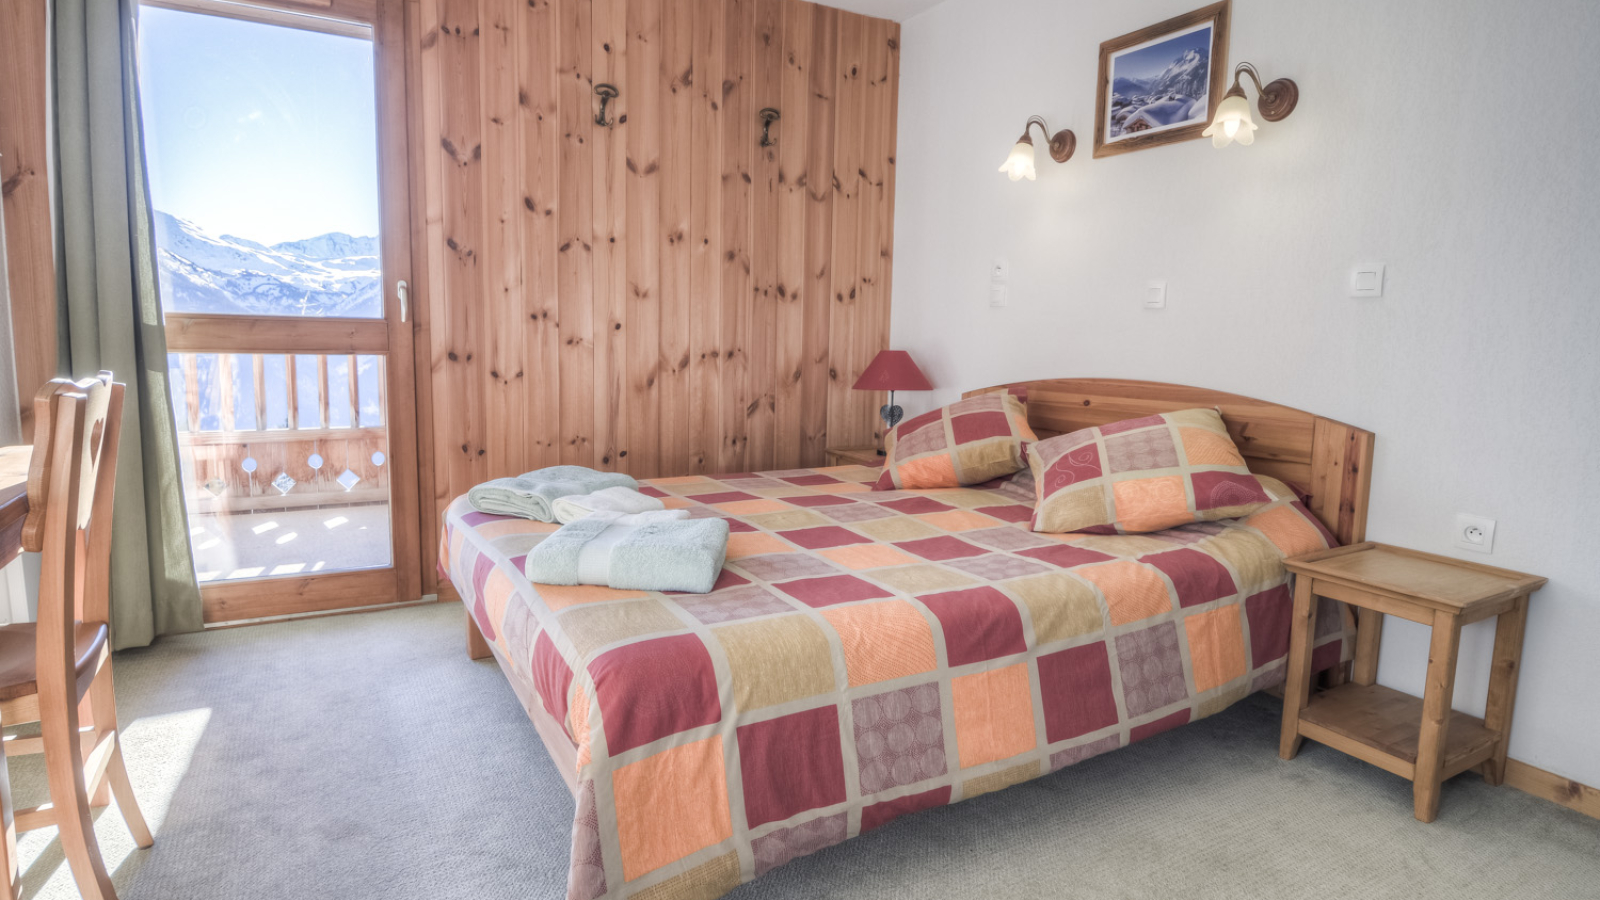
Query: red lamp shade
893,370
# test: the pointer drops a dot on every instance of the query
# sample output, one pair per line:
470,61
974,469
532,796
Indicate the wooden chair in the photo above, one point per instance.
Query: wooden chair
58,672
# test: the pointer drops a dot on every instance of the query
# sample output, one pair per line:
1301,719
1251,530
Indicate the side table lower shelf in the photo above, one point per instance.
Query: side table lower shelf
1381,726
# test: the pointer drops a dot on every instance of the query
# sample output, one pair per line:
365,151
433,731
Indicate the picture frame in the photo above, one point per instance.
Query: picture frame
1150,81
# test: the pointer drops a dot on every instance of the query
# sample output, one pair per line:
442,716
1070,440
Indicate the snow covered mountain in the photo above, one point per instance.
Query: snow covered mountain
1178,95
1129,87
1187,76
327,275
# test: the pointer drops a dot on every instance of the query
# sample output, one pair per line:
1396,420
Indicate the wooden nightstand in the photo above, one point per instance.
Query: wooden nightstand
1422,740
854,456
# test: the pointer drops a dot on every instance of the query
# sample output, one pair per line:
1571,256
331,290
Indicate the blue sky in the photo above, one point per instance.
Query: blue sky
1154,59
258,131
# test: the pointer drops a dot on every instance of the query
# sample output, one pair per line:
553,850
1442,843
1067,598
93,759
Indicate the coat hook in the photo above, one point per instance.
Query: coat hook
768,116
607,93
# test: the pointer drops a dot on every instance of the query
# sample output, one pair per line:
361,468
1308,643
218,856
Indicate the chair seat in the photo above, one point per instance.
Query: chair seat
18,645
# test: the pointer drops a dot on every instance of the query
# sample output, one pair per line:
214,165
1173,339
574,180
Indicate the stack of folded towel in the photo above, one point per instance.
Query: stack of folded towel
611,534
632,552
614,499
533,496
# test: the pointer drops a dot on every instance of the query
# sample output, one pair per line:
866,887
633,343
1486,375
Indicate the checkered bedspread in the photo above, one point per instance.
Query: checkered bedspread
866,655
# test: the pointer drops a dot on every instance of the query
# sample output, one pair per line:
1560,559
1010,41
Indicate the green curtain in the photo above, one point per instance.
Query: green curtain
111,313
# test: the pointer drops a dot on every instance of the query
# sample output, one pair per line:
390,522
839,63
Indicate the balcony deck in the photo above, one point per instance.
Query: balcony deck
278,484
275,543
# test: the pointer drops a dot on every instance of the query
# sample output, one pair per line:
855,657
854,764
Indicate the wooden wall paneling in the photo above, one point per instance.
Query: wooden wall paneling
677,185
25,196
609,47
504,294
538,322
577,261
816,297
661,296
641,294
887,144
766,90
871,322
422,163
705,238
459,411
789,214
738,158
846,425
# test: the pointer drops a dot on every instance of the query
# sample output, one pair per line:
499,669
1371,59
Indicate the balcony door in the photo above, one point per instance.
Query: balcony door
275,131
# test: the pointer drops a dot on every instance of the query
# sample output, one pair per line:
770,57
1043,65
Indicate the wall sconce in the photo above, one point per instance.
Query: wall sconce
1234,122
606,93
1019,164
768,116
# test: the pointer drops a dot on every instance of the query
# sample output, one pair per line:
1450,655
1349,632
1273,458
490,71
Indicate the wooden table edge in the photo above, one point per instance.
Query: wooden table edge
1519,582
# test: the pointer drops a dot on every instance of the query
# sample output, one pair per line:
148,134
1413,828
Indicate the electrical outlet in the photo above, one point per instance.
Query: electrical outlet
1475,533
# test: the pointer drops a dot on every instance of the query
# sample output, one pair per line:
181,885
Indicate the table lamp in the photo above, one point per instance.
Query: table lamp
892,370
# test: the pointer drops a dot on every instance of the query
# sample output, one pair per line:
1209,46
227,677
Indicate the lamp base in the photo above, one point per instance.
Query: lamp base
891,415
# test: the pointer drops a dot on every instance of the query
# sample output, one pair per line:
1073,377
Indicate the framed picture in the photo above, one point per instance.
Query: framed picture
1162,84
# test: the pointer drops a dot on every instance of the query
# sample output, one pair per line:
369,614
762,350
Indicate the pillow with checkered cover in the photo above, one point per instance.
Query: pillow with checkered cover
970,442
1142,475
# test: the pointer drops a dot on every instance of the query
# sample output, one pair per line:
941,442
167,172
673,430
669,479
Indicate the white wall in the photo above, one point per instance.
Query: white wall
1454,139
14,596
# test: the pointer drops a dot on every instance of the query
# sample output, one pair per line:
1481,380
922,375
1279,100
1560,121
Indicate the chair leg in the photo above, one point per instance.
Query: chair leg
86,717
103,696
69,795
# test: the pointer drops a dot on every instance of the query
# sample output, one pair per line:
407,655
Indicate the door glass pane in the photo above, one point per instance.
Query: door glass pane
262,146
278,501
263,168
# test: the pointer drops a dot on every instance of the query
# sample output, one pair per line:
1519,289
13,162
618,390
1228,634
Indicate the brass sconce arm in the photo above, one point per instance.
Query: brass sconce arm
1061,145
1277,98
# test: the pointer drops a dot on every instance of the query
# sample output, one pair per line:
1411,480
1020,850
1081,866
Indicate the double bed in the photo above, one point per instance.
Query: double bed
868,654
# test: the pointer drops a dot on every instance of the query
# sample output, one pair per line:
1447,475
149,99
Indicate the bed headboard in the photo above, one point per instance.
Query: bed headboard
1331,460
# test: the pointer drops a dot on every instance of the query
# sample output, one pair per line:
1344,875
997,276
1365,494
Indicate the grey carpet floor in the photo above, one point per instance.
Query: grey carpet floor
364,756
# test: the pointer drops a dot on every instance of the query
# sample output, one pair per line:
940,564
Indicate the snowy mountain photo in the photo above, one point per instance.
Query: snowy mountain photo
327,275
1160,84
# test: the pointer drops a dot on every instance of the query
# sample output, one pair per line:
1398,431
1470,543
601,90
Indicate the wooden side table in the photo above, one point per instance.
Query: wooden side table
1421,740
854,456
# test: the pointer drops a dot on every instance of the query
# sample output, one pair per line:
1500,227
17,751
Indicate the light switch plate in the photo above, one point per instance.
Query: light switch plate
1366,280
999,295
1155,295
1000,272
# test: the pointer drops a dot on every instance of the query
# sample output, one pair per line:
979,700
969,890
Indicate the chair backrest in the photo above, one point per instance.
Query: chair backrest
71,481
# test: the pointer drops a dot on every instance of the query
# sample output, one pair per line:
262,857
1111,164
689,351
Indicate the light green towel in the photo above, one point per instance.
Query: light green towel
685,555
612,499
530,496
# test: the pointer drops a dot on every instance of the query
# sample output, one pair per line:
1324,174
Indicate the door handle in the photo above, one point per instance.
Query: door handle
404,290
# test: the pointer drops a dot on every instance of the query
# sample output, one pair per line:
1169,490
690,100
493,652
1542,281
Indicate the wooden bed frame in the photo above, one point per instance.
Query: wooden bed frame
1330,460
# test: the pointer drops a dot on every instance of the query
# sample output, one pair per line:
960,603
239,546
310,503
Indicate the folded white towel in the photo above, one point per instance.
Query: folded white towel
530,496
608,548
612,499
594,560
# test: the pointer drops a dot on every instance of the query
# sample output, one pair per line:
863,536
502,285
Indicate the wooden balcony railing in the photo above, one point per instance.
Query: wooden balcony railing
287,457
